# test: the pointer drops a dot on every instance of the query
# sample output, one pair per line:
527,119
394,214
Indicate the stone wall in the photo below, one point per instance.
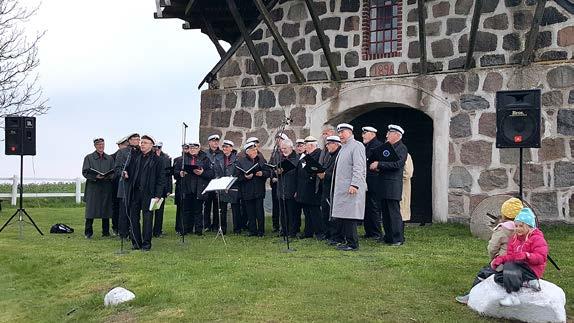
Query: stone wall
237,106
502,30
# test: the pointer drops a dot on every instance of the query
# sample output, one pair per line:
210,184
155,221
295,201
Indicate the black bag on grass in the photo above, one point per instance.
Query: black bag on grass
61,228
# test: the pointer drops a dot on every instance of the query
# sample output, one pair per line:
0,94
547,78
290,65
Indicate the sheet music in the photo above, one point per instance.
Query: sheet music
220,184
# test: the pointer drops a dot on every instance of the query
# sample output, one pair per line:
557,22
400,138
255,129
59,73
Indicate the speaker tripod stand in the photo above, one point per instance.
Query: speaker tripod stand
21,212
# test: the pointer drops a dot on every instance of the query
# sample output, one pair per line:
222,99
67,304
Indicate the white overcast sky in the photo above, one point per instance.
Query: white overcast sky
110,68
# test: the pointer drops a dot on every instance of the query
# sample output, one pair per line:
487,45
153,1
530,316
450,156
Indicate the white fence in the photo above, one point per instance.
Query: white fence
16,181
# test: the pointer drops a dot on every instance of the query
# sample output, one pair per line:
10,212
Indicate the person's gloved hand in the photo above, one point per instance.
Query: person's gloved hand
496,262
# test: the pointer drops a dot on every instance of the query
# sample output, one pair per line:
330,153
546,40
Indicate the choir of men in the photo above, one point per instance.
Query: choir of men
336,184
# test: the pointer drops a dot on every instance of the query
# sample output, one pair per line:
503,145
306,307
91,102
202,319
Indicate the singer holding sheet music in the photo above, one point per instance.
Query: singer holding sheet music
192,179
99,190
252,176
145,175
391,162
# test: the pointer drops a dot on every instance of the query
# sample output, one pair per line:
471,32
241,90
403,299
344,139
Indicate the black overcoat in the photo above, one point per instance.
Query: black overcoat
253,188
287,182
390,185
191,183
308,188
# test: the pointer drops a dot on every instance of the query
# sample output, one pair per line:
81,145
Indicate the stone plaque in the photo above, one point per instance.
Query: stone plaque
382,69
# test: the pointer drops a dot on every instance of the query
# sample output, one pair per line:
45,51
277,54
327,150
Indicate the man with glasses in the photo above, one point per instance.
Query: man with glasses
194,175
146,177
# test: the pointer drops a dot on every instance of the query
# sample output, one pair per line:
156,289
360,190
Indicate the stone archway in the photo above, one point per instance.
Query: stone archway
356,99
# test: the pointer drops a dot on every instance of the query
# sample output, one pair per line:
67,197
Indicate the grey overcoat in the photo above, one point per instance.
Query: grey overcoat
350,170
98,193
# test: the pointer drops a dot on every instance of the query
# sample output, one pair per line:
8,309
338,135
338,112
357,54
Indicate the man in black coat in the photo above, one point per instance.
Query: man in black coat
146,177
276,157
372,220
178,198
286,188
227,166
252,188
158,214
193,181
122,143
391,185
332,225
215,155
309,191
122,160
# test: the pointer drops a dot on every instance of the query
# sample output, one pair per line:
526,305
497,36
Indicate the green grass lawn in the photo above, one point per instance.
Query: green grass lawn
57,278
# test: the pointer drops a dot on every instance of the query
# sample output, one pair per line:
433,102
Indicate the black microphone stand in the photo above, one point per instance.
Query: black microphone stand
126,204
282,206
181,194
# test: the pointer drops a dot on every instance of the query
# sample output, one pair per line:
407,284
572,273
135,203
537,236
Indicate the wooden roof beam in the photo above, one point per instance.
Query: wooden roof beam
280,41
323,40
211,34
422,37
473,32
533,34
188,7
248,41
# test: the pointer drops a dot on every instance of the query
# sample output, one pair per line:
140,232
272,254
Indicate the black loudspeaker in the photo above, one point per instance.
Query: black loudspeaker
20,136
518,119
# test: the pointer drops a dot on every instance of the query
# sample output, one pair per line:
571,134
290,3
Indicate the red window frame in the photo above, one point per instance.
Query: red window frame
382,28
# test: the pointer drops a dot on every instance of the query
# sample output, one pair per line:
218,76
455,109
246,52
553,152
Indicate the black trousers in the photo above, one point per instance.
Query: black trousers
275,210
158,220
313,222
298,211
256,215
209,206
141,235
89,229
392,221
123,221
513,275
349,232
325,215
192,217
336,230
372,221
116,214
244,216
288,217
237,216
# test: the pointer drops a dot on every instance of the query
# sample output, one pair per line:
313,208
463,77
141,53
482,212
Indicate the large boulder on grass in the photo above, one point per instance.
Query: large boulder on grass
546,305
117,296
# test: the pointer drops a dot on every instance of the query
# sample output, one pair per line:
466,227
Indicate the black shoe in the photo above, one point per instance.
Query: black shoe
135,248
303,236
107,234
396,244
275,230
252,234
88,236
146,249
333,242
199,233
115,233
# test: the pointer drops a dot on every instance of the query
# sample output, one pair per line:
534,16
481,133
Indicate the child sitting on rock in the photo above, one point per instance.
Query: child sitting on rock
525,259
498,241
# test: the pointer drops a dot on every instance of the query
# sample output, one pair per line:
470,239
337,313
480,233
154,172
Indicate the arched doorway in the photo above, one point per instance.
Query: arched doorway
356,99
419,140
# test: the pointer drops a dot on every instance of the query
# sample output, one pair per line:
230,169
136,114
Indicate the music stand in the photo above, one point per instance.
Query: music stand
217,185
